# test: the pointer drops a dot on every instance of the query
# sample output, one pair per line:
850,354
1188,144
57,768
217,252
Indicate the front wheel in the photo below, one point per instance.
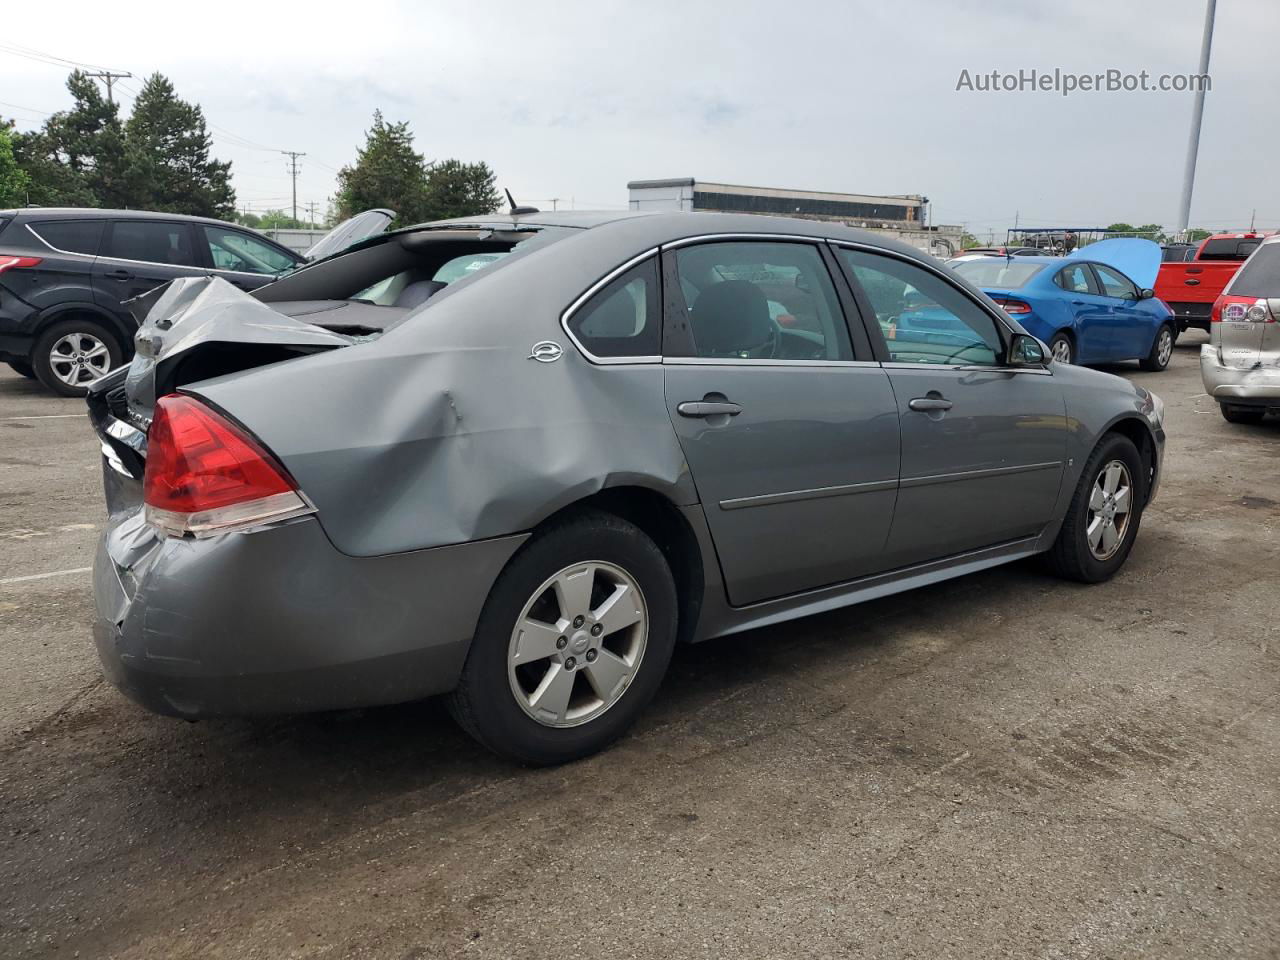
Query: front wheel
572,643
1106,509
1061,348
1161,350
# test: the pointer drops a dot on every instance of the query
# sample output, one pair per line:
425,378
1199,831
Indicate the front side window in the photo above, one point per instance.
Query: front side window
151,241
922,317
757,300
242,253
623,319
73,236
1115,284
1075,279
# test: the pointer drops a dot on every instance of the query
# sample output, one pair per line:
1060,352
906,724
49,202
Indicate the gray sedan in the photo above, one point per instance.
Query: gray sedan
516,459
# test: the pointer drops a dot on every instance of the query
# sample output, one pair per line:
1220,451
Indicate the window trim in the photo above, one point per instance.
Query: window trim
591,291
819,244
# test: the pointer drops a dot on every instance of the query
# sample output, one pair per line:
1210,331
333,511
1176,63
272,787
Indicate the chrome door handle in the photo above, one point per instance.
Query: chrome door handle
707,408
930,403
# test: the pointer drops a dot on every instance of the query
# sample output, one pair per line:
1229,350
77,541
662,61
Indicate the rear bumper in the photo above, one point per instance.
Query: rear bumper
1191,314
1256,386
279,621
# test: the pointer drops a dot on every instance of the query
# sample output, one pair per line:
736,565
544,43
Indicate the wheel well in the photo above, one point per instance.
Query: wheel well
1137,431
1065,332
663,522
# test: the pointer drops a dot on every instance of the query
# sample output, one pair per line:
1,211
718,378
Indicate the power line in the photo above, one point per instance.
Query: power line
109,77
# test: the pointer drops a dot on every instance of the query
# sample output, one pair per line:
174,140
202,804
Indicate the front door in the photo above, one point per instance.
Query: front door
792,440
1090,312
1131,329
983,444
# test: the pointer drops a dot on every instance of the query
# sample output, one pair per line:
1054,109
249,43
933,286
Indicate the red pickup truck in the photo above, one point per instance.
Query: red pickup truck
1190,287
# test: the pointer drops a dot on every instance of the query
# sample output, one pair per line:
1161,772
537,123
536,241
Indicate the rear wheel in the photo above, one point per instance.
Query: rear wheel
1062,349
1237,414
572,643
70,354
22,368
1161,350
1102,520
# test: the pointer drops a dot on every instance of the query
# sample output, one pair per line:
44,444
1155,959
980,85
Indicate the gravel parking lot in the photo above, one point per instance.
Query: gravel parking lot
1006,765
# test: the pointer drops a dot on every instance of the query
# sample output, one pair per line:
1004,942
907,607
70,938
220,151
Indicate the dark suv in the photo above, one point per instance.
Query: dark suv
65,274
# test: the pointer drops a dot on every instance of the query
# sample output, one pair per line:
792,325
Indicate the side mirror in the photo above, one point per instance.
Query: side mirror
1146,294
1026,351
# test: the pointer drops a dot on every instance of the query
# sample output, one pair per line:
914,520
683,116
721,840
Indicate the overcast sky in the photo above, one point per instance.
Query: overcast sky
572,100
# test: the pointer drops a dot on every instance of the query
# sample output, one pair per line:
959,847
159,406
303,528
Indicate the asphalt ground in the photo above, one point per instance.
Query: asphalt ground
1002,766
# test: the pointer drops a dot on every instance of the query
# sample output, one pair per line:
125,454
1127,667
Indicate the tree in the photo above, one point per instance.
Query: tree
1197,234
388,172
14,181
1148,231
88,139
279,220
457,189
167,154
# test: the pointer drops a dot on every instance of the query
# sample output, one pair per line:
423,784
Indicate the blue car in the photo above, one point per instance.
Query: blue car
1085,307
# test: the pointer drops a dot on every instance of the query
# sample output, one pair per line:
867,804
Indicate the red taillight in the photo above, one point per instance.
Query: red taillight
1011,306
1227,309
205,475
10,261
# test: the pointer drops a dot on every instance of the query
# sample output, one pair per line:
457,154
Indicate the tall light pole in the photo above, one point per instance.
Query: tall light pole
1197,114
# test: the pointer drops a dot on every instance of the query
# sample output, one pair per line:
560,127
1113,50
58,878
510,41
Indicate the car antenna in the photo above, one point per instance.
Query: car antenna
515,210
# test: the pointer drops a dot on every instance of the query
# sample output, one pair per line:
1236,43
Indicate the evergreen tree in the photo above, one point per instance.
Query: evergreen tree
388,172
457,189
167,156
88,139
14,181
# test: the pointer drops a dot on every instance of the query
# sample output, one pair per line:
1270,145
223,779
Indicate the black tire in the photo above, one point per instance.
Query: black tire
1059,342
484,703
1070,556
1159,357
22,368
42,360
1237,414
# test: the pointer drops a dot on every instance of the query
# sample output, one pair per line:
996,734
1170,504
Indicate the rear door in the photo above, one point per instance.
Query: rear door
789,425
983,444
66,248
139,255
1089,309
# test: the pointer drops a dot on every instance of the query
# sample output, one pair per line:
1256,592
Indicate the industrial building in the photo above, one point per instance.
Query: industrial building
903,215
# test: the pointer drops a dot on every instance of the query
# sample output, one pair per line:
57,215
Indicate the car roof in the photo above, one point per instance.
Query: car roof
91,213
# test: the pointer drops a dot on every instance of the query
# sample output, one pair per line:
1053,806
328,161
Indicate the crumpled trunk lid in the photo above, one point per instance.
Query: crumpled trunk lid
192,329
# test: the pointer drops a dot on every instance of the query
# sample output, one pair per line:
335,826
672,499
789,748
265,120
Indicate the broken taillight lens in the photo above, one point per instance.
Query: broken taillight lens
207,475
1228,309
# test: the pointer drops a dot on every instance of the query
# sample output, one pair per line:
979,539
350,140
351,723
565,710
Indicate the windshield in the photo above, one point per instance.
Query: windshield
997,272
1260,277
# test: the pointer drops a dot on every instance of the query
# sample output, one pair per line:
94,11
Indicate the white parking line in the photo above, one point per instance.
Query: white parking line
50,416
44,576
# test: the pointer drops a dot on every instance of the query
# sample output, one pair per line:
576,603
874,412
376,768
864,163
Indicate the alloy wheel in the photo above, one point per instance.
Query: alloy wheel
1061,351
577,644
1110,510
79,358
1165,349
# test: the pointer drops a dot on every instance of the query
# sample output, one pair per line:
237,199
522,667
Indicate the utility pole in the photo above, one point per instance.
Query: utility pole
293,156
311,212
109,78
1197,114
554,202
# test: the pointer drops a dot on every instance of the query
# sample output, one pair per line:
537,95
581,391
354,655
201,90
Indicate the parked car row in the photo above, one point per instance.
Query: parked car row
515,458
65,275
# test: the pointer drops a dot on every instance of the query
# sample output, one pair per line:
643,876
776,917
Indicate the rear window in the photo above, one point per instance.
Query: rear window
1260,277
73,236
997,272
1229,248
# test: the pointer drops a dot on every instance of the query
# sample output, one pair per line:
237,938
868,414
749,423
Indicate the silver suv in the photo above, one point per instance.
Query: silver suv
1240,365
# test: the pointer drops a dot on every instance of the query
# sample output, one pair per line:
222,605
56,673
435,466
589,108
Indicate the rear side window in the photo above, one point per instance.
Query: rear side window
151,241
1229,248
73,236
623,318
1260,277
